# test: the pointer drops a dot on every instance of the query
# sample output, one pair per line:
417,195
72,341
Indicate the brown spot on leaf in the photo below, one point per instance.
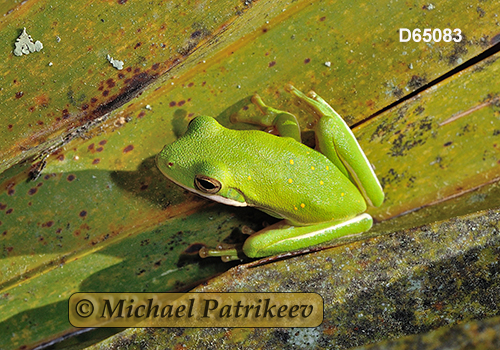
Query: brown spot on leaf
196,34
93,100
110,82
271,64
134,86
19,94
121,75
90,147
3,206
85,106
11,191
60,158
96,161
155,66
121,2
105,93
99,149
48,224
181,103
322,18
190,84
172,104
307,60
128,149
137,45
42,100
32,191
83,213
71,177
10,210
144,187
65,114
447,143
141,114
103,142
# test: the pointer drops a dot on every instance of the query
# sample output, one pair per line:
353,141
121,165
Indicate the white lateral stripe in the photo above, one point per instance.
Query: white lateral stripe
356,178
345,223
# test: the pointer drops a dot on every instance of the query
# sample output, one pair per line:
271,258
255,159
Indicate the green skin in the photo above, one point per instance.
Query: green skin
321,194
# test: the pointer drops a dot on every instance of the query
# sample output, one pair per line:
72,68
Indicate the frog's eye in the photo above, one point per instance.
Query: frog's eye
207,184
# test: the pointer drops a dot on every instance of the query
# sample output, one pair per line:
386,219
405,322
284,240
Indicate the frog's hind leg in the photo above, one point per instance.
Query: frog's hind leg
336,141
285,123
282,237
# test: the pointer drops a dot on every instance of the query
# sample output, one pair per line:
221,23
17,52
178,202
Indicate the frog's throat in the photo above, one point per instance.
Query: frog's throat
213,197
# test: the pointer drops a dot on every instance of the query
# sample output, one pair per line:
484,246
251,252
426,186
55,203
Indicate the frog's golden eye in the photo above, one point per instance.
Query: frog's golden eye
207,184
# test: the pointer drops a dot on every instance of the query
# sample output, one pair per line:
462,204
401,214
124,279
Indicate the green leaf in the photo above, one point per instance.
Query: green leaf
102,218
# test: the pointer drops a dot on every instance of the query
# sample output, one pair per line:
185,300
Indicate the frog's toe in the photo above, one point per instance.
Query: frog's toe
227,252
312,94
247,230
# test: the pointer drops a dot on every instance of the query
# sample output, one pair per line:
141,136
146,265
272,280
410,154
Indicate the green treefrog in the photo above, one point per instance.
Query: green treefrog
320,194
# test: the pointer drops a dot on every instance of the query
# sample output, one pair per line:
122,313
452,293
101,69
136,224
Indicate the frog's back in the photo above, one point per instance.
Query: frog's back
289,179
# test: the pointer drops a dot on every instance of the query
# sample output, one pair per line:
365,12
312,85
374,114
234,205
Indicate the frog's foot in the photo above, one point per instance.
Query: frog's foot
312,101
227,252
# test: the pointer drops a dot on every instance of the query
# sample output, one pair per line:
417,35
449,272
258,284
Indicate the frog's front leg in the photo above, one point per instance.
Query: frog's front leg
285,123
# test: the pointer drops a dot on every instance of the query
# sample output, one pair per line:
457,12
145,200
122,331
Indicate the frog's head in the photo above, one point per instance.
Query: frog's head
194,163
